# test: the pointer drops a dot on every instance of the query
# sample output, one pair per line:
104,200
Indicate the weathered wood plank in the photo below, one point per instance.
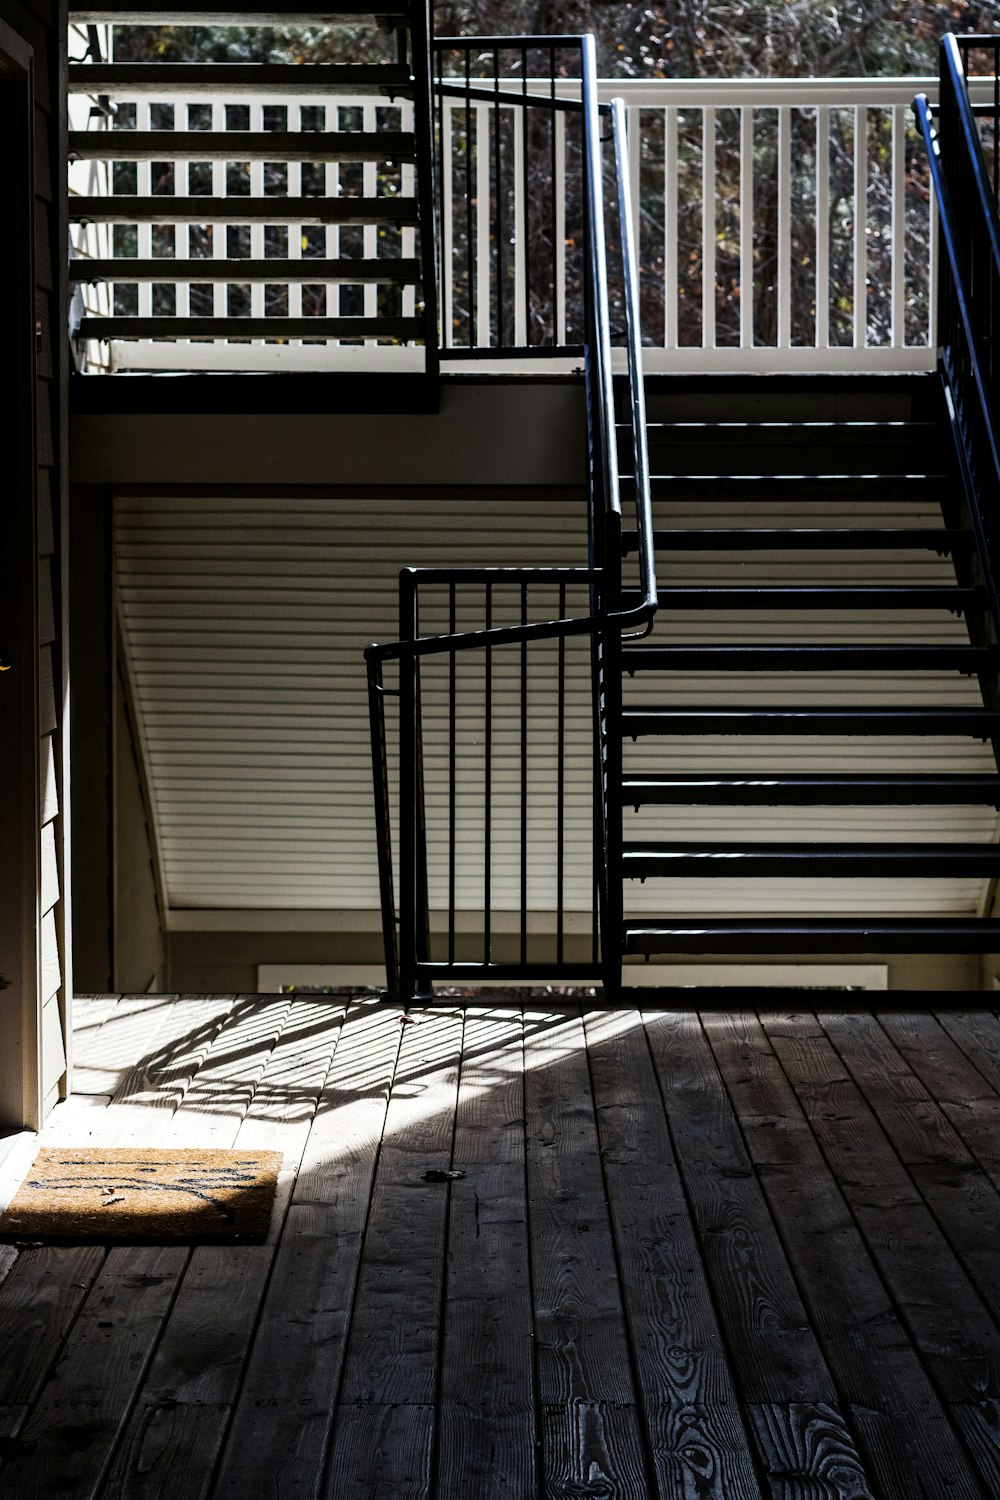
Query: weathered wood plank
108,1041
691,1408
39,1301
947,1320
174,1045
593,1448
68,1437
970,1103
905,1433
167,1453
279,1433
393,1345
810,1453
173,1438
284,1105
977,1033
771,1342
383,1452
486,1444
214,1106
590,1425
959,1194
204,1347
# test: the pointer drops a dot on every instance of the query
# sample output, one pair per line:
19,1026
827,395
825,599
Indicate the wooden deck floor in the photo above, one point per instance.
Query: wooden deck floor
738,1255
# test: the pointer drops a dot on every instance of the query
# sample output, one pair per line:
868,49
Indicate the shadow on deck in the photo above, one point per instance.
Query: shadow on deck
529,1249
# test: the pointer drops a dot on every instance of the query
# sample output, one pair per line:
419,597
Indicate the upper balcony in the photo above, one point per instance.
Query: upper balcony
272,216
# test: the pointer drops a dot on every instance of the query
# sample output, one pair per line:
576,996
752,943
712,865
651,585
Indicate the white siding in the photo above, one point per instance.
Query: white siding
246,620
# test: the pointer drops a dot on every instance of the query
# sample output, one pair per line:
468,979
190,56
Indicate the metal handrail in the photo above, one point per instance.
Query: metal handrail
601,623
951,55
949,236
970,234
637,392
642,613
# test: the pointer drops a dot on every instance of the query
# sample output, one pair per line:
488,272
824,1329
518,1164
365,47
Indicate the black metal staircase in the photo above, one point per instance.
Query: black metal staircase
796,752
804,671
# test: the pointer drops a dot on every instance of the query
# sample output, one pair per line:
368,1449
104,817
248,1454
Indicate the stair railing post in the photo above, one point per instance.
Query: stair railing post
421,42
408,800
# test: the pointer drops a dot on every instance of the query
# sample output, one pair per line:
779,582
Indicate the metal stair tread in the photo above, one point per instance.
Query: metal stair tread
739,858
819,596
799,538
809,789
753,658
920,721
811,934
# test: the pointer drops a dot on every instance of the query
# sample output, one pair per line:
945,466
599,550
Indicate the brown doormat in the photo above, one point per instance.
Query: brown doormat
144,1194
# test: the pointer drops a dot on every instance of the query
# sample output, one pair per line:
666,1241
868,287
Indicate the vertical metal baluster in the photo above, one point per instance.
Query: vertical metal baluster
526,194
561,783
860,226
383,834
444,196
996,120
553,112
447,155
469,243
746,227
498,182
422,889
670,228
898,226
784,227
822,226
707,228
560,240
483,226
452,710
407,791
519,227
488,784
524,780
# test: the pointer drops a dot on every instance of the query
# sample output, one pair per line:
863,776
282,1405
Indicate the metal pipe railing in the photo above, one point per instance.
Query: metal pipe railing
410,964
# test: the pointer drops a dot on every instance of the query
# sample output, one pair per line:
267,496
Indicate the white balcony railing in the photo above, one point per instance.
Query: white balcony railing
783,225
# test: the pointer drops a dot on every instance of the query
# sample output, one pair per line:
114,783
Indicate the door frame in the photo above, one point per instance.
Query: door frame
20,877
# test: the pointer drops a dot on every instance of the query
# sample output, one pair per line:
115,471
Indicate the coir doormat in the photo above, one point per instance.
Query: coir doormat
144,1194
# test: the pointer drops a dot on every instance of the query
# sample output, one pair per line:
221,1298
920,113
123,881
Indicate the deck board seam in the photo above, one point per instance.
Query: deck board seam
846,1406
645,1417
757,1457
989,1301
245,1364
913,1337
336,1404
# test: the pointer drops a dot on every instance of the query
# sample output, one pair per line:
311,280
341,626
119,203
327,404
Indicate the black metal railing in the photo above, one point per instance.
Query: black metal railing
968,293
549,688
509,124
980,58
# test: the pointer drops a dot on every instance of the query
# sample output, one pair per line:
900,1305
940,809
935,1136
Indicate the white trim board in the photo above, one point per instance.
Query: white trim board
271,978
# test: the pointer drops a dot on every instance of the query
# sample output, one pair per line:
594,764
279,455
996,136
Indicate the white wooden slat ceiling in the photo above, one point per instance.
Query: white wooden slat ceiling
245,621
